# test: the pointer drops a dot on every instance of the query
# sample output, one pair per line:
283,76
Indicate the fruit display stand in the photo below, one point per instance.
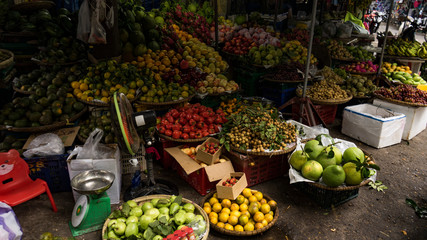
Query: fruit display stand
141,200
243,233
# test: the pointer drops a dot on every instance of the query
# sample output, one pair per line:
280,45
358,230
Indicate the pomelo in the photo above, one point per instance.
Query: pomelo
298,158
353,153
313,148
333,175
312,170
325,160
352,177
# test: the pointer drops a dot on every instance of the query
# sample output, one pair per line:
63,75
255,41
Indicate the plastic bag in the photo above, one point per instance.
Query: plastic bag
9,224
358,29
83,27
344,30
97,31
93,149
350,17
329,29
45,145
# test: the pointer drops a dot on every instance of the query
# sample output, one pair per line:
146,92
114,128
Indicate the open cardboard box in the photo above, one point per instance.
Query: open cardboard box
233,191
214,172
208,158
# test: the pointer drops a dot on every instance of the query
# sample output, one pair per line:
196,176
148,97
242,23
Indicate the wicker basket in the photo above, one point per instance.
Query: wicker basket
142,200
289,148
183,140
245,233
6,63
22,91
400,102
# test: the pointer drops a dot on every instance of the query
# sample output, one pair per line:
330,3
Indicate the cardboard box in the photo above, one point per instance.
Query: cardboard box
416,117
67,136
233,191
112,164
190,169
208,158
373,125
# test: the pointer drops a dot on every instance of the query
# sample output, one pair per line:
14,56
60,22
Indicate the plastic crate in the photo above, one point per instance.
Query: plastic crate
277,95
326,112
127,167
248,80
327,198
259,169
52,169
198,180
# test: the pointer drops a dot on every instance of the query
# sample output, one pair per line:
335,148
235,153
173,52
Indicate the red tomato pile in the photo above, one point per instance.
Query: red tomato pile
191,121
210,148
239,45
230,182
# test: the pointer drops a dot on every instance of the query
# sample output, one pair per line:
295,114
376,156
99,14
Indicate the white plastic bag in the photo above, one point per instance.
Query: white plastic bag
83,27
98,35
344,30
93,149
45,145
9,224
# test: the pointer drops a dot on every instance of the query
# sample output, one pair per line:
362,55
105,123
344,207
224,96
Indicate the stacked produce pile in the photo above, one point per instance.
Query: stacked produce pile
405,93
192,121
393,67
102,122
250,211
287,73
216,84
335,167
233,106
405,48
359,86
154,219
406,78
360,54
258,130
265,55
329,75
338,51
326,90
340,72
361,67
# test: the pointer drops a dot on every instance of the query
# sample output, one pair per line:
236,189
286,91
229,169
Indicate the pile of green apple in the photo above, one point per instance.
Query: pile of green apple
153,220
336,168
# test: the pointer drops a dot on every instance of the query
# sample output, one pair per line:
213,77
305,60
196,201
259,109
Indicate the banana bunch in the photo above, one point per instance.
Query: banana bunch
422,51
400,47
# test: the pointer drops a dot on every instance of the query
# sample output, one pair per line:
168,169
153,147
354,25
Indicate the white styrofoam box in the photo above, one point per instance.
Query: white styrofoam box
416,117
373,125
75,166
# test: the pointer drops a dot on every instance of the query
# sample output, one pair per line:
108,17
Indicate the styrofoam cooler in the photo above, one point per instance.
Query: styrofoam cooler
416,117
112,164
373,125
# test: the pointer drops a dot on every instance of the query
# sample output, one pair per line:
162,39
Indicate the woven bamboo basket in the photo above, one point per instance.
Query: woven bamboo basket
144,199
289,148
6,63
22,91
245,233
400,102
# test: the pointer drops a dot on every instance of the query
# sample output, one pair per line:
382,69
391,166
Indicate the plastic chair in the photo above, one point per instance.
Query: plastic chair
16,186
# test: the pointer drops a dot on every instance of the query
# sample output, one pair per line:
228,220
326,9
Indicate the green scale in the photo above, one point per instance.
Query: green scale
92,208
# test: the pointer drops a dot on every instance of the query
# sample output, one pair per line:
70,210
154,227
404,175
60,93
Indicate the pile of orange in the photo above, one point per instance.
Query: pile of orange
250,211
183,35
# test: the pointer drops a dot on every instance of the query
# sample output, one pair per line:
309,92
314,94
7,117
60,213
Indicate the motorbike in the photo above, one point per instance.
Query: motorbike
374,20
408,29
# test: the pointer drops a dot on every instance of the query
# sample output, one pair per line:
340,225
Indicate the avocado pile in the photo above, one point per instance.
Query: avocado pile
10,142
138,30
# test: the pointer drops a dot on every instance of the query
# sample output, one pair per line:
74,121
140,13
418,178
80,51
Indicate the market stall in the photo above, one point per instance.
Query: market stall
226,102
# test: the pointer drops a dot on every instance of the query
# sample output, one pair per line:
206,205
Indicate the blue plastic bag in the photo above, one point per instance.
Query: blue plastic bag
9,224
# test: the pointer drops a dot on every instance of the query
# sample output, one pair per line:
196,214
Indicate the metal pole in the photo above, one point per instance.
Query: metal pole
276,9
216,23
385,38
310,45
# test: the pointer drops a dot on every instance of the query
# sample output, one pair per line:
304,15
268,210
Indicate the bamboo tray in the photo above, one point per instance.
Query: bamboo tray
144,199
245,233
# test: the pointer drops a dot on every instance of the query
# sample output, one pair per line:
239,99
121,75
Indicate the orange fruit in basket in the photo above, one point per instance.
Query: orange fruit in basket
268,217
243,207
245,213
226,210
258,196
229,227
234,207
214,220
264,222
213,200
258,217
253,208
220,224
265,208
235,213
243,219
207,209
252,199
226,203
216,207
258,226
262,201
206,204
273,204
213,215
240,199
239,228
249,227
223,217
246,201
247,192
233,220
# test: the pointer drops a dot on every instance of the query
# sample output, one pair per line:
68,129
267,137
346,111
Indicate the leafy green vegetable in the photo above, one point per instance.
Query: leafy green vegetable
377,185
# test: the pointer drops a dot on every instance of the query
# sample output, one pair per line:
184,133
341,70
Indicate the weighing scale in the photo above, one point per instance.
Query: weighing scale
125,123
93,207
